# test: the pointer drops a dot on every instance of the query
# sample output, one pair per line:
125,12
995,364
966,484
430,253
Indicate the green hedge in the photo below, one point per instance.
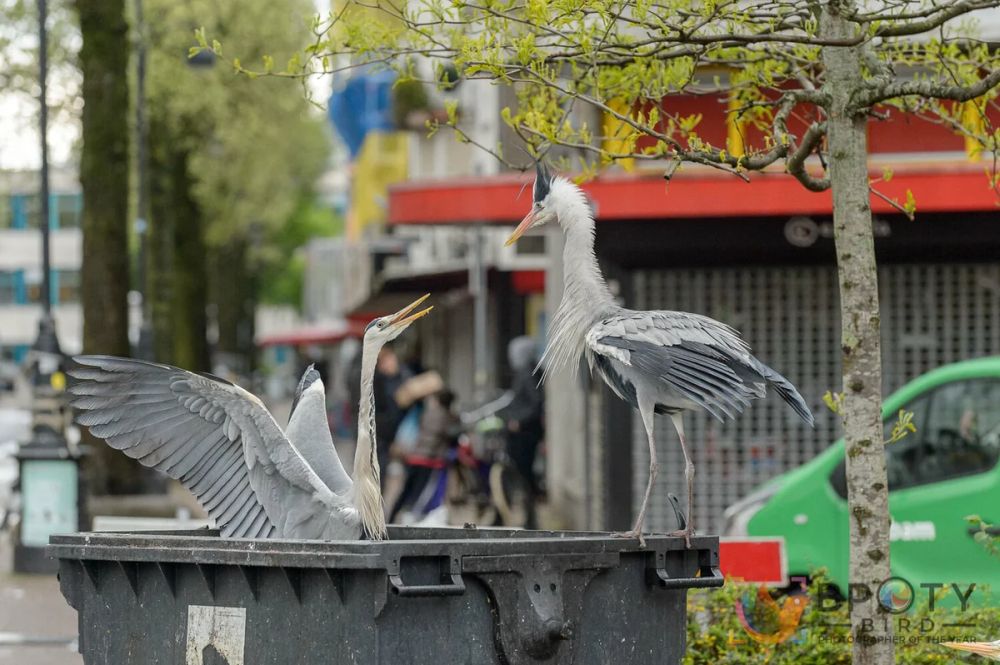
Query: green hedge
715,635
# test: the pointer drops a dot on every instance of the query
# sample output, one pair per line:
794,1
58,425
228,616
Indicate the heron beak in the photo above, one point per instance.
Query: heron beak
985,649
400,318
525,224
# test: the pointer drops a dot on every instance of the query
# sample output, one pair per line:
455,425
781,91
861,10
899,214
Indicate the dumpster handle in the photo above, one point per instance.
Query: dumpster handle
710,577
455,588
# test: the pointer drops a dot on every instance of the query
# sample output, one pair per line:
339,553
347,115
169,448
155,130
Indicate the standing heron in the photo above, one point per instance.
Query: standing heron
657,361
223,445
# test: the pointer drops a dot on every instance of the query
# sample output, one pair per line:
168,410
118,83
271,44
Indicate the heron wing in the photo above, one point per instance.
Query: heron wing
698,358
214,437
309,432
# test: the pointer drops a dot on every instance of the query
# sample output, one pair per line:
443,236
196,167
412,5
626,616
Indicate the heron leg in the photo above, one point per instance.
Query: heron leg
688,530
654,469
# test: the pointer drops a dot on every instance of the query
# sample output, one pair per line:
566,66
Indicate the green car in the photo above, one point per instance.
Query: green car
938,475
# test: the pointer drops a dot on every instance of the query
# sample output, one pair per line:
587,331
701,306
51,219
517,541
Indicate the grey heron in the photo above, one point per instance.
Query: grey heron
660,362
221,443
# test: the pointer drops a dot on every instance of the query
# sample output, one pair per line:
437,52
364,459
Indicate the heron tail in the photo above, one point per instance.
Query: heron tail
787,391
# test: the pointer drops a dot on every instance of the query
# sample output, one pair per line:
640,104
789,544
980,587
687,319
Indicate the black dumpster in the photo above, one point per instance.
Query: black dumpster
426,596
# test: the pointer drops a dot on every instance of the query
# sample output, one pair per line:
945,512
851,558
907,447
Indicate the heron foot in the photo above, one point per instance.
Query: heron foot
685,533
630,535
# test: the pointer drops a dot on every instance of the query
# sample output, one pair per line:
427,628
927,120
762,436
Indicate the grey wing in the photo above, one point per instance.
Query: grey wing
215,438
693,357
309,432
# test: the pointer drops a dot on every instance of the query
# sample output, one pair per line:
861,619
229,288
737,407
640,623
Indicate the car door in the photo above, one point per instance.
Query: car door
938,476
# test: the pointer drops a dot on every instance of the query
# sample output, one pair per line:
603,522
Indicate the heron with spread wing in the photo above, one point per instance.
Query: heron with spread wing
223,445
660,362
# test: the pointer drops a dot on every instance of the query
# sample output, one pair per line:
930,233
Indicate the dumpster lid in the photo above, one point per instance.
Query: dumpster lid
204,546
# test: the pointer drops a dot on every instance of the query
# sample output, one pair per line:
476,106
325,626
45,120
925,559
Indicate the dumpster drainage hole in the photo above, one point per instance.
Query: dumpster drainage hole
537,588
552,586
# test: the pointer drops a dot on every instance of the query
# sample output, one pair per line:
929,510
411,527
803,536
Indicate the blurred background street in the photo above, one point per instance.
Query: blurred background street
181,211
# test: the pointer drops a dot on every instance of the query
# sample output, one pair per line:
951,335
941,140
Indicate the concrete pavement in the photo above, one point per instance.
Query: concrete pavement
37,627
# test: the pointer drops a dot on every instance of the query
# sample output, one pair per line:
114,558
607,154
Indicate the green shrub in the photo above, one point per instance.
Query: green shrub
715,635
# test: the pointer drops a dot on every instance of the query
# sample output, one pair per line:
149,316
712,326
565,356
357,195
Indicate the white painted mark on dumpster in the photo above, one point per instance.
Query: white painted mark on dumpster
215,635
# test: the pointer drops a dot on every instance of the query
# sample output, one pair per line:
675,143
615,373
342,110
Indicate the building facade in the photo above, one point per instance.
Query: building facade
761,258
21,261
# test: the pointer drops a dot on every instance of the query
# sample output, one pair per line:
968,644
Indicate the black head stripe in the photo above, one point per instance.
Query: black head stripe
543,182
372,324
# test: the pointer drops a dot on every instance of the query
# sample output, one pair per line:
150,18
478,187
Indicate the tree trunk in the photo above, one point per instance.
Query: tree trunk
177,282
867,486
160,243
234,296
189,320
104,275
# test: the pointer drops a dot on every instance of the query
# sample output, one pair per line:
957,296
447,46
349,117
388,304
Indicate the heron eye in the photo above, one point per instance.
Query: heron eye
381,324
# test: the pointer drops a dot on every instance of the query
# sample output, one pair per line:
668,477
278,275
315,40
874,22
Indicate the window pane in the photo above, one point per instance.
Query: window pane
6,212
33,210
962,435
8,289
69,286
902,457
33,286
69,206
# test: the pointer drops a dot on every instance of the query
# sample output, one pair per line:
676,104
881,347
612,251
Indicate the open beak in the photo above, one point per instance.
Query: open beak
985,649
403,316
525,224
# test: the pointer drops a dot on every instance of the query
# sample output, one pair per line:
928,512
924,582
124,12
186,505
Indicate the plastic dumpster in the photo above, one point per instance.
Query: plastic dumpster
425,596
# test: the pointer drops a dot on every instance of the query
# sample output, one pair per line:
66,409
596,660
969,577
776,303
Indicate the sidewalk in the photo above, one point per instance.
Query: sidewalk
33,609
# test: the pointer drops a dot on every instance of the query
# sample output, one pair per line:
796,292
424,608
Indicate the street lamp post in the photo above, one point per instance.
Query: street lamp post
144,348
49,470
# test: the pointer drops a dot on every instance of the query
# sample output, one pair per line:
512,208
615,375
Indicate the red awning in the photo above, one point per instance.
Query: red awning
319,334
937,187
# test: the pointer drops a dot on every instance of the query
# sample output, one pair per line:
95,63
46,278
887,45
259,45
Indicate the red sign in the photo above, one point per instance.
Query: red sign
760,560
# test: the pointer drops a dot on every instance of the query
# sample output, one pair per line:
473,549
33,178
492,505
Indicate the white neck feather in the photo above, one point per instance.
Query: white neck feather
367,486
586,298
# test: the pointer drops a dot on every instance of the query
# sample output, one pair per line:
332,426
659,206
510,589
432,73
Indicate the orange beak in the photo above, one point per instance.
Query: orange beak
401,318
985,649
525,224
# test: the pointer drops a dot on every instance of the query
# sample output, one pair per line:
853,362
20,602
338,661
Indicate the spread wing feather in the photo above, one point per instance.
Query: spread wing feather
215,438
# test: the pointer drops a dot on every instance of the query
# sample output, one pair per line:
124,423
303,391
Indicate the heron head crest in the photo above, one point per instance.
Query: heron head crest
543,183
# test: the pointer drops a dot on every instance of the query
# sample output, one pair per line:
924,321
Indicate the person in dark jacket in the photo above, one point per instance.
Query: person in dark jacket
524,419
389,376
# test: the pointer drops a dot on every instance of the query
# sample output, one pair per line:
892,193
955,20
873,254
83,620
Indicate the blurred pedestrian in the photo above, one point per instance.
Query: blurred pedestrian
438,431
389,376
524,420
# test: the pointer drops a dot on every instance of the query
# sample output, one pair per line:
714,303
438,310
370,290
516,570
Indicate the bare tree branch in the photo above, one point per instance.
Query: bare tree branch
929,89
796,163
905,25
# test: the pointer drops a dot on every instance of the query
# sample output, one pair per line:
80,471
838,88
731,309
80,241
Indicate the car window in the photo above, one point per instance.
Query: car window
958,433
961,435
902,458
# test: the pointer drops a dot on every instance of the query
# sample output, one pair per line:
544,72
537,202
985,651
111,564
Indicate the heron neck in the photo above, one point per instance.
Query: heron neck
585,300
367,485
582,280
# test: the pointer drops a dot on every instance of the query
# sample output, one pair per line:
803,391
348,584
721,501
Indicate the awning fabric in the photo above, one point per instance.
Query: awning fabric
314,334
